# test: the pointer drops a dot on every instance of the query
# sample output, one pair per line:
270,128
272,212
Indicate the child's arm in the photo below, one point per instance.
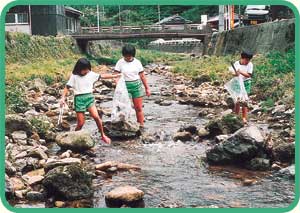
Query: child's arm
246,74
144,80
63,97
108,76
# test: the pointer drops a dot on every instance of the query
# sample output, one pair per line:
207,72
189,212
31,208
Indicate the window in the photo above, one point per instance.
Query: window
17,18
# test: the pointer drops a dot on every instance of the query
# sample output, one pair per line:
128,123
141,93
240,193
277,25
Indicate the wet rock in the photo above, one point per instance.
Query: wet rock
38,152
225,125
119,166
191,129
182,136
121,130
249,182
68,183
52,163
221,138
124,195
40,107
260,164
35,196
278,110
284,152
242,146
15,122
50,136
66,154
52,91
148,138
230,103
78,141
288,172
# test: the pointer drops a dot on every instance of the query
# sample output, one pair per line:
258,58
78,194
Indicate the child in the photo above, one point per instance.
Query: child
82,81
244,67
133,72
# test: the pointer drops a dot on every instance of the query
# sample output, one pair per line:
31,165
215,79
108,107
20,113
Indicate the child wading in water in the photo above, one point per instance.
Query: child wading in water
244,67
133,72
82,81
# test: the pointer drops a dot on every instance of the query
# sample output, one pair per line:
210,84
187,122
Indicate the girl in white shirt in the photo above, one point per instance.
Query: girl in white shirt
133,72
82,82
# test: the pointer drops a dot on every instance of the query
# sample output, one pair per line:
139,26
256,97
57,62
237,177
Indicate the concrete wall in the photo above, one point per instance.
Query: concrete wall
178,47
260,38
23,28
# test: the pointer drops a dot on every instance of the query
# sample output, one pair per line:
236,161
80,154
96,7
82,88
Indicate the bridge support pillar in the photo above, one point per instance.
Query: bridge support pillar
82,44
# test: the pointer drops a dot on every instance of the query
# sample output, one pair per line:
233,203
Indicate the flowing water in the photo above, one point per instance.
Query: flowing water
173,173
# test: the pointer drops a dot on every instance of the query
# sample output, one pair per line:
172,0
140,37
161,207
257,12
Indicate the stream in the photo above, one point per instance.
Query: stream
173,173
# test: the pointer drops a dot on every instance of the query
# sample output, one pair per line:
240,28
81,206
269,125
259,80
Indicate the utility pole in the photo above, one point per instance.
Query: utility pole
158,9
221,18
229,17
120,16
98,19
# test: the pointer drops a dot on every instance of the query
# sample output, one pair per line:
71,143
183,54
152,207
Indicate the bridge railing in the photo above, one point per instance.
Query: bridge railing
147,28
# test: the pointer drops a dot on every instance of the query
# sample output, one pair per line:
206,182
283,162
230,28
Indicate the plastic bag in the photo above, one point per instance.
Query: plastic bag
122,109
237,90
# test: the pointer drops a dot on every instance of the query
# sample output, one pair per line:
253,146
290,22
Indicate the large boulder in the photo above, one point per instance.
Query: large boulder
52,163
68,183
38,85
244,145
124,195
78,141
14,122
42,124
227,124
284,152
121,130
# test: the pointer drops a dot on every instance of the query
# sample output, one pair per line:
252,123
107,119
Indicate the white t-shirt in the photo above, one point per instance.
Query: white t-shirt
130,70
83,84
245,68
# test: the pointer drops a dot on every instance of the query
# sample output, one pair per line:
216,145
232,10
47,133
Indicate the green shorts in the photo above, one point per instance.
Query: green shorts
83,101
247,85
135,89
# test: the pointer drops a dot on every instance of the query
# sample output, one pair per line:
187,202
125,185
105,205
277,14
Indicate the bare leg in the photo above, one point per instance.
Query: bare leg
138,106
237,108
94,114
80,120
244,111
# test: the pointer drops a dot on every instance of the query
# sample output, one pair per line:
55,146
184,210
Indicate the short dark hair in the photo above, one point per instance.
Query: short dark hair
128,49
81,64
247,54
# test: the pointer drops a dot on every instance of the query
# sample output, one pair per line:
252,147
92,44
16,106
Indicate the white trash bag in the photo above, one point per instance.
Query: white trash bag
122,109
237,90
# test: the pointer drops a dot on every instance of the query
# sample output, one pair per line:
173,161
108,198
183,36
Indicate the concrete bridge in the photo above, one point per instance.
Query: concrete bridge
139,32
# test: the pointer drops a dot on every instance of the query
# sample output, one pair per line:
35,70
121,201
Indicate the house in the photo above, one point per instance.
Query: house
174,22
43,20
213,22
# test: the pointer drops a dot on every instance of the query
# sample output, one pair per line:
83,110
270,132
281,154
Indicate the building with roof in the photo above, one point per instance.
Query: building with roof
43,20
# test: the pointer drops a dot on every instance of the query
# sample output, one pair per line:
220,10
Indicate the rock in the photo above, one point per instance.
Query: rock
201,79
68,183
279,109
34,177
52,163
19,137
38,85
230,103
50,136
59,204
148,138
9,168
182,136
260,164
37,152
165,103
275,167
284,152
9,191
202,132
242,146
15,122
35,196
17,183
225,125
78,141
249,182
119,166
221,138
28,206
121,130
288,172
124,195
40,107
42,125
51,113
191,129
66,154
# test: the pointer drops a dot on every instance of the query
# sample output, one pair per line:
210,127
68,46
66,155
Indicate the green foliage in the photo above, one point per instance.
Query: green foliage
40,125
15,99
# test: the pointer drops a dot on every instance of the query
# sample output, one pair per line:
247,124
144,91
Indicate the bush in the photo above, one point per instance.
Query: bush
15,99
